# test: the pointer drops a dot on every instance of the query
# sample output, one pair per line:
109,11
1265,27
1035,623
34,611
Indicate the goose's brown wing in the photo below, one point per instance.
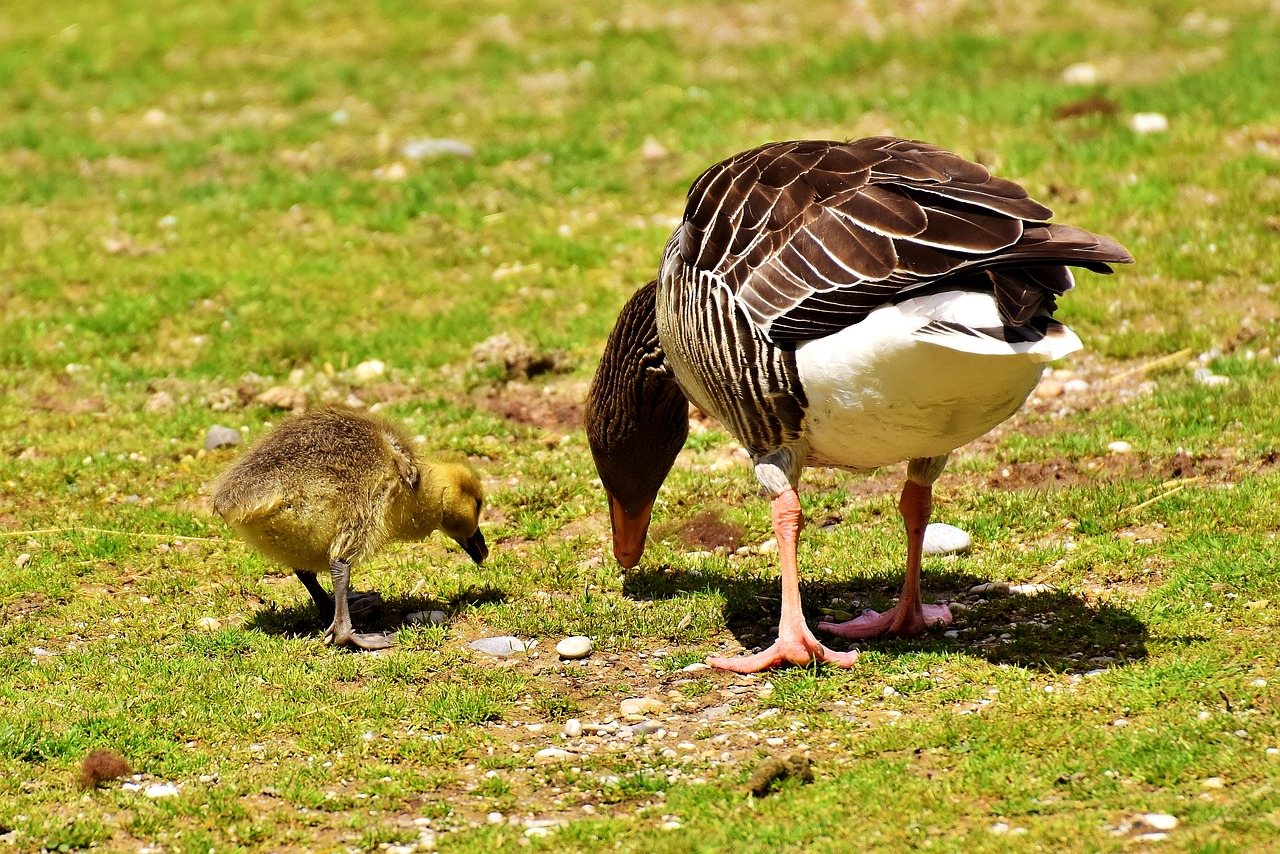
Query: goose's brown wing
810,236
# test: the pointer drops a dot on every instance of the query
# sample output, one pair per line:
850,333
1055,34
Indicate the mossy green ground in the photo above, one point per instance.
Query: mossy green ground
209,199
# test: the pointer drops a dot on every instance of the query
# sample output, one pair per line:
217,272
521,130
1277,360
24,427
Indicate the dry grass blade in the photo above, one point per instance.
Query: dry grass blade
1154,363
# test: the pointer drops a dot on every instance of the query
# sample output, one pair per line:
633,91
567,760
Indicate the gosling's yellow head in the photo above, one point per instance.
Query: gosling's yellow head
461,500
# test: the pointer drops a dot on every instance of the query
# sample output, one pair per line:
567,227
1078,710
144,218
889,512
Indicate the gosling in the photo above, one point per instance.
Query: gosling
330,487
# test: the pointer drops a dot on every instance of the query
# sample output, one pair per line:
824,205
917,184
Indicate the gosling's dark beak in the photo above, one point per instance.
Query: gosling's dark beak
629,531
474,545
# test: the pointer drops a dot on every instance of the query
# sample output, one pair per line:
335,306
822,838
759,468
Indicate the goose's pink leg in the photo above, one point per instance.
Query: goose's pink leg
910,616
795,644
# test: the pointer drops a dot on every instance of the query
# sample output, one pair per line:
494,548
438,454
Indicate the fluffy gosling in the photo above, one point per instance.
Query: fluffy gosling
329,487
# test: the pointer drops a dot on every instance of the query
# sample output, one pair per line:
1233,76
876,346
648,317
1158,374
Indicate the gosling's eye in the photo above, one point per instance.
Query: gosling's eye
478,503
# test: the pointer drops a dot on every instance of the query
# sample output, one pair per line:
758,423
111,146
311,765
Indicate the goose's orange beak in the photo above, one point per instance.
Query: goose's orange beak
629,530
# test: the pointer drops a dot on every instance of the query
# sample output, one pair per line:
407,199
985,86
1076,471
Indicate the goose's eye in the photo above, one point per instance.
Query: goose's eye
478,505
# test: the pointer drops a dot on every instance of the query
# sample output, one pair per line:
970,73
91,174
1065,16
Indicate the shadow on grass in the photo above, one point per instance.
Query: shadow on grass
1053,631
301,619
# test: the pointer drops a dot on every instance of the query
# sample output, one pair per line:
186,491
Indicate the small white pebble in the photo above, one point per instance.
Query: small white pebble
1160,820
890,691
573,728
1029,589
640,705
1120,722
1076,385
578,646
394,171
502,647
551,753
419,149
1119,447
1048,387
942,539
1144,123
1081,74
368,370
1259,683
495,818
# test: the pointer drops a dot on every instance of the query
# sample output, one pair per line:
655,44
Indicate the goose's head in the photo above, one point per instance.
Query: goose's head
461,500
637,419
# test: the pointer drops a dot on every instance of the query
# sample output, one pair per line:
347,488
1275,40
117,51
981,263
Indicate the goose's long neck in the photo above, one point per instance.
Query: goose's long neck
634,390
637,419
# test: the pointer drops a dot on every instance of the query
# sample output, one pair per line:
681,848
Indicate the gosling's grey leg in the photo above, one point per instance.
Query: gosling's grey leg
359,605
340,631
324,604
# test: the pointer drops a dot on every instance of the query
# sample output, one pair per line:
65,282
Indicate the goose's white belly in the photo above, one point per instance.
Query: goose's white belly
879,392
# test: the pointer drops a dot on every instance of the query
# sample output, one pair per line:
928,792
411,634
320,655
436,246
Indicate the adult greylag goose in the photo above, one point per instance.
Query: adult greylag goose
835,304
329,487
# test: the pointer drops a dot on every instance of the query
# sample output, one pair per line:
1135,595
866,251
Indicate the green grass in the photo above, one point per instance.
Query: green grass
206,200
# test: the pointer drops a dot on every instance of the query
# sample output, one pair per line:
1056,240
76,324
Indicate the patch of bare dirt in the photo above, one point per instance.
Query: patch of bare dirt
706,531
27,603
1093,105
670,738
62,394
1064,473
555,407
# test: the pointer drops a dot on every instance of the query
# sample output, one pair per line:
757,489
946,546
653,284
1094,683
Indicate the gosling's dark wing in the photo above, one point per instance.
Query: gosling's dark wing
810,236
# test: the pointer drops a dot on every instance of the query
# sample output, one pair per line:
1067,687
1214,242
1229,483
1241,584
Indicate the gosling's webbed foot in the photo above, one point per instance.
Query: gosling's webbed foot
367,641
363,605
340,632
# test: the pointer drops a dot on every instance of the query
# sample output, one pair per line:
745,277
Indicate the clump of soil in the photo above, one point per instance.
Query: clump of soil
777,768
706,532
101,766
1094,105
515,359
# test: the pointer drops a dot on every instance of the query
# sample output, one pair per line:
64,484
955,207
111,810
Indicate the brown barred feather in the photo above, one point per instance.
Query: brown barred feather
797,240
